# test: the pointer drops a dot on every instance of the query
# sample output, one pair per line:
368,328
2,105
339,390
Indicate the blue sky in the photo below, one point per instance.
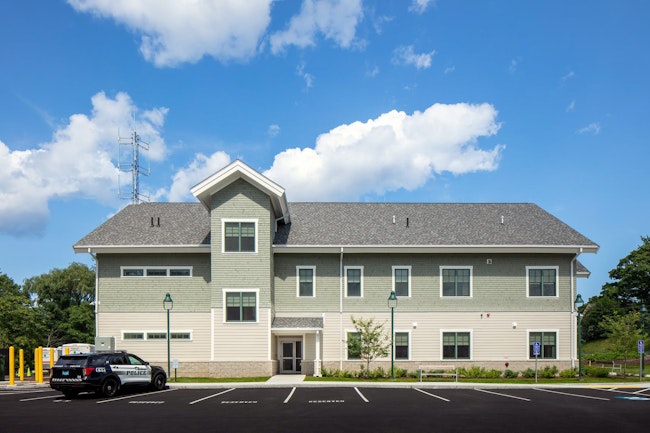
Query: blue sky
414,100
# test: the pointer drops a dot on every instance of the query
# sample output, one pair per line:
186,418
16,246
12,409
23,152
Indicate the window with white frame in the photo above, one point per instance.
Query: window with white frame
456,345
402,345
240,236
456,281
155,271
306,281
354,281
156,335
240,306
547,341
402,280
542,280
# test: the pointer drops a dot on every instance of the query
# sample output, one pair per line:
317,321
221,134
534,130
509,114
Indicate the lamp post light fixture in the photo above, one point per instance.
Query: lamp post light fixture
643,310
578,303
392,303
168,305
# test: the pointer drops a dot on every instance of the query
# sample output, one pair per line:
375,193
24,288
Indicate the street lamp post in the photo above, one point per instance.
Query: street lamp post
578,303
168,305
642,364
392,303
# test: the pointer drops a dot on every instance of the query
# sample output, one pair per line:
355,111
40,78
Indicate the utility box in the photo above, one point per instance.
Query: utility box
105,344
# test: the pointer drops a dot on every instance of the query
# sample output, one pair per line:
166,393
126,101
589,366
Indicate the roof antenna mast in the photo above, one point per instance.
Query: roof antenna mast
130,163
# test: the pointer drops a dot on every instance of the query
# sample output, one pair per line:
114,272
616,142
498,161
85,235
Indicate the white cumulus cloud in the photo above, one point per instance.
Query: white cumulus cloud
199,169
77,162
178,31
335,19
394,151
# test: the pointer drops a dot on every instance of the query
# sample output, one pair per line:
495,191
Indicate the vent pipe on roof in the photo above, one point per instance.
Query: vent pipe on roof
393,219
158,225
151,221
502,219
407,222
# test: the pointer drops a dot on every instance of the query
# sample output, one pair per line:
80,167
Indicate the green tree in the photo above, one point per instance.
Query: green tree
624,332
632,278
19,321
63,298
594,314
371,342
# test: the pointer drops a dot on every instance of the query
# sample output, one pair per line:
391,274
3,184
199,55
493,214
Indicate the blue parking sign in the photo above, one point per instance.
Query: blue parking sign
641,347
537,348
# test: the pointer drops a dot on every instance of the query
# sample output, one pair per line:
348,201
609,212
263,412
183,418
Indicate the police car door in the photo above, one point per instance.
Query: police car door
138,370
119,366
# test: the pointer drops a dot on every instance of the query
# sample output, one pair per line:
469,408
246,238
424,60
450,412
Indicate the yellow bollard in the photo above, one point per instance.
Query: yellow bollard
51,360
36,365
67,351
21,364
39,363
12,366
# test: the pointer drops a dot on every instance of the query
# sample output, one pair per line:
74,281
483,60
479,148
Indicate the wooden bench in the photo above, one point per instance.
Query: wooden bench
437,370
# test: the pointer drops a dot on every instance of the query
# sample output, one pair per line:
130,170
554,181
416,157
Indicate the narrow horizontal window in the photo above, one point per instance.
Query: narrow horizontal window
156,336
132,272
157,271
133,336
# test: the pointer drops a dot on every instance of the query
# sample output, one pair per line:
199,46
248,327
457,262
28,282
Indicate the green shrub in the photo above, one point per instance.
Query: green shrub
400,372
491,374
528,373
472,372
509,374
596,371
548,372
569,374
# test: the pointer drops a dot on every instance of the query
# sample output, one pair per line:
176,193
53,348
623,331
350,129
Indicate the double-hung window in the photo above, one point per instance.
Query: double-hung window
239,237
402,280
306,276
548,344
241,306
542,280
455,345
354,281
401,345
456,281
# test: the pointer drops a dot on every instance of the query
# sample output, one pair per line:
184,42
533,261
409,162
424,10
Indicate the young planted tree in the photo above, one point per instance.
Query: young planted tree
369,342
624,332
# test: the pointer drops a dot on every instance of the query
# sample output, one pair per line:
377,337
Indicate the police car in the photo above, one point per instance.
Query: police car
104,373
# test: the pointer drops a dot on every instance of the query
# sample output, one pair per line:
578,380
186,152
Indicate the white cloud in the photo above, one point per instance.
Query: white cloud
569,75
77,162
420,6
335,19
273,130
405,55
592,128
177,31
309,78
571,106
394,151
199,169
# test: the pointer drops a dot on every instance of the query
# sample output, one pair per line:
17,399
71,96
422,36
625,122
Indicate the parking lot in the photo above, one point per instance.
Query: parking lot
327,409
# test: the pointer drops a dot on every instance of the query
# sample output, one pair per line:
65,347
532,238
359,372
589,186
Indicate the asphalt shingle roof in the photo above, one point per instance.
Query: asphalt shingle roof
351,224
297,323
425,224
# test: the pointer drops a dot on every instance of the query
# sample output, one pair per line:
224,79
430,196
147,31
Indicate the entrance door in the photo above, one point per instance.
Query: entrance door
291,356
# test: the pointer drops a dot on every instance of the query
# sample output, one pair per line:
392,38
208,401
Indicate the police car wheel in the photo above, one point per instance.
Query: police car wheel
109,387
158,382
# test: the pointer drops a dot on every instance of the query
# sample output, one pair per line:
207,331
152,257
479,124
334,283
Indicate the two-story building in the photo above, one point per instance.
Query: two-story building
262,286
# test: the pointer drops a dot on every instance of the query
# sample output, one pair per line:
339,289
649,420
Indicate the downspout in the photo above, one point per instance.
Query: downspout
341,310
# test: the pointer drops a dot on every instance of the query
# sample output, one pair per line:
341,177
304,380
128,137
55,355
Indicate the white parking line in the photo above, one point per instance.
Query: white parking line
286,400
571,395
40,398
641,391
431,395
361,395
213,395
502,395
110,400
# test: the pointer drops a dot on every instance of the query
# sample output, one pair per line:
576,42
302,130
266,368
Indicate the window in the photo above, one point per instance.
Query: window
542,281
401,345
156,271
402,280
241,306
239,237
354,343
306,276
548,342
133,336
181,335
456,281
455,345
156,336
353,282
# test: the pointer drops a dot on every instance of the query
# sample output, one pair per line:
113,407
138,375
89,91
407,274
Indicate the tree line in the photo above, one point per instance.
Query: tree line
48,310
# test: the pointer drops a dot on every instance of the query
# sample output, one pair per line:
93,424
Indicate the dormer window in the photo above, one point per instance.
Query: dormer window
240,236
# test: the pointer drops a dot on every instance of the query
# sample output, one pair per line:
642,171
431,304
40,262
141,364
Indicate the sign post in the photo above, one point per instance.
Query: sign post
641,346
536,351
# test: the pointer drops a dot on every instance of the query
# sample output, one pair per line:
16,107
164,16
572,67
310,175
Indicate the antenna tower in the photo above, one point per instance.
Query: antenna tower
130,163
